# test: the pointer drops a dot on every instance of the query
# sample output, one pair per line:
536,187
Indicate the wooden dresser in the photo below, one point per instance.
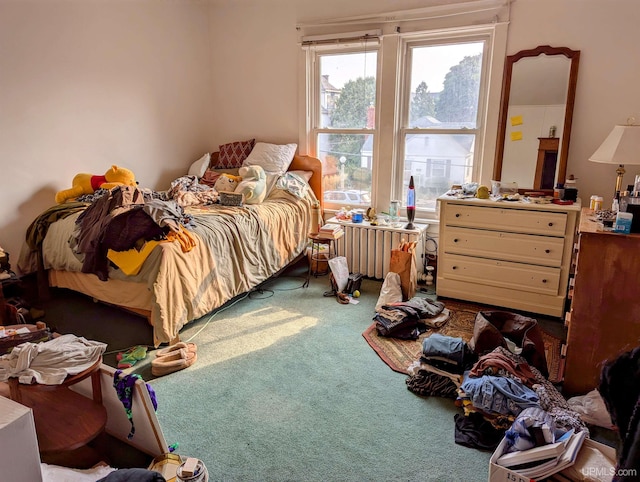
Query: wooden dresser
511,254
604,319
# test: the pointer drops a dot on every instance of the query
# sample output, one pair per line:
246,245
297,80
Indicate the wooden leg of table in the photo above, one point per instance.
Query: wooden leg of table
14,389
96,386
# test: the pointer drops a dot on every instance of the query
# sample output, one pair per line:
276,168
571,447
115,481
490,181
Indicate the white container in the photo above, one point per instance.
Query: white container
20,456
498,473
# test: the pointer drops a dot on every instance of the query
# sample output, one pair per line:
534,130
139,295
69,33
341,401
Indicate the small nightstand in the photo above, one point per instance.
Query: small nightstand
316,257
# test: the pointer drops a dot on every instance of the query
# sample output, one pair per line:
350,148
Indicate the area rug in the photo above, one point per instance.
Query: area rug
399,354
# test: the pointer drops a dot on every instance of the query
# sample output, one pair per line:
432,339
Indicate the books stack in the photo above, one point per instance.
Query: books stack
546,460
330,231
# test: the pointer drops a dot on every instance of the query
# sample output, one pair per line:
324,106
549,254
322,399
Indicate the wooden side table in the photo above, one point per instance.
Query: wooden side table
316,241
64,419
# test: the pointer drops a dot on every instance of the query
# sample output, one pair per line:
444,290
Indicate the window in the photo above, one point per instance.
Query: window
344,122
426,119
440,111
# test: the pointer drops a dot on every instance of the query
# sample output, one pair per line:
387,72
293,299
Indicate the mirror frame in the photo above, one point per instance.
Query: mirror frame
574,57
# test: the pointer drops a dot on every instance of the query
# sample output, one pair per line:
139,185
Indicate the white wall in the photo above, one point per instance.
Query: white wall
260,33
88,83
152,84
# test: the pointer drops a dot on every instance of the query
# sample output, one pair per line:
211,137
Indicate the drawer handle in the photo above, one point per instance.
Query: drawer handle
457,215
544,280
454,267
547,251
550,224
455,240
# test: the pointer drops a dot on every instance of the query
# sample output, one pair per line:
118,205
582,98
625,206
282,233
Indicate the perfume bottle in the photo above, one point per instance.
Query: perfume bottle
411,204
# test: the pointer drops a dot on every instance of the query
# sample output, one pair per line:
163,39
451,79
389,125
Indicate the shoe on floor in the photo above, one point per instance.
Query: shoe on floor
178,360
191,347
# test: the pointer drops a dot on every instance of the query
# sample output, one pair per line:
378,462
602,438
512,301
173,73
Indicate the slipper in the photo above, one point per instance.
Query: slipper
343,298
190,347
178,360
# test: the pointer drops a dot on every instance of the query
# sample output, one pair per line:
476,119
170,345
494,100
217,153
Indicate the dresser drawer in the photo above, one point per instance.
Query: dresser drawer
505,274
506,219
523,248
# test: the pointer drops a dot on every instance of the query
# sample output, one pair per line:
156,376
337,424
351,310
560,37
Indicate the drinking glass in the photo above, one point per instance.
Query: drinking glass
394,210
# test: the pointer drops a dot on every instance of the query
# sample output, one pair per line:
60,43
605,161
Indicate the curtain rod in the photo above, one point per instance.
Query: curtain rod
350,36
425,13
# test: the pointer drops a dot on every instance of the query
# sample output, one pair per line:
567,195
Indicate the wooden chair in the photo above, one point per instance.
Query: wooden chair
65,420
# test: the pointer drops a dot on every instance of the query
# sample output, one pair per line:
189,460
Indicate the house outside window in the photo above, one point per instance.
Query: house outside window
384,108
344,123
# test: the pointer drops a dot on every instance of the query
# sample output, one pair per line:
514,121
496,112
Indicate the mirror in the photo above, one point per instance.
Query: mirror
538,94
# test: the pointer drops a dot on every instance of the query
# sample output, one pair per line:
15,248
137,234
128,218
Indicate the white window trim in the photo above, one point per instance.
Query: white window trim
389,103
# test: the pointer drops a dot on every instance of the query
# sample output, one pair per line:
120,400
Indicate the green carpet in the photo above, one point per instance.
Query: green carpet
286,388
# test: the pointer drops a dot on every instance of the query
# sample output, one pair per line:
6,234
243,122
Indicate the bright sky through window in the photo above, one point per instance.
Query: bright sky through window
430,65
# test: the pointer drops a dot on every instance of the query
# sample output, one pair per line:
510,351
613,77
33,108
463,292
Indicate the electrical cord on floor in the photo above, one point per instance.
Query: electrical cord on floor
212,315
261,295
303,278
251,296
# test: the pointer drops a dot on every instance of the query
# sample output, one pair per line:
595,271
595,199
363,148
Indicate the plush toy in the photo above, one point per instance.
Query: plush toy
88,183
227,183
253,185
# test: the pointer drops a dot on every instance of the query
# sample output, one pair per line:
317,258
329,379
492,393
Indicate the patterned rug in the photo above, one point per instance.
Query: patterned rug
399,354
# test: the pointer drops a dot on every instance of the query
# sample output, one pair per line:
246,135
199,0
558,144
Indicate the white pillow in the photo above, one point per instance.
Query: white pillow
199,167
273,158
271,182
306,175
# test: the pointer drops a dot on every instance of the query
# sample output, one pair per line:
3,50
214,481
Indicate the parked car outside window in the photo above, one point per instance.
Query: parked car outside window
347,198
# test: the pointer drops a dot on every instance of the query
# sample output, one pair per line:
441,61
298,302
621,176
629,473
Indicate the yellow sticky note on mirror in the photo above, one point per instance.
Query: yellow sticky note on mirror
516,120
516,136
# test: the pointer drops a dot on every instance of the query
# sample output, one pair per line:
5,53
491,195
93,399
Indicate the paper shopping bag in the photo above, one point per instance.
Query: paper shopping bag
404,263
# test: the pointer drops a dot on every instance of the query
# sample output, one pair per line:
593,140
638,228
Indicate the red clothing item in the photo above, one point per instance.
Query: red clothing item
97,181
493,361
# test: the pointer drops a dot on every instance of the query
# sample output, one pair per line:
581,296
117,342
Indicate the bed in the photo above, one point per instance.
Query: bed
236,248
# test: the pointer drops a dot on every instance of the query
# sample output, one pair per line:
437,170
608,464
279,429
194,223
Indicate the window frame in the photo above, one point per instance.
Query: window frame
408,44
393,84
315,117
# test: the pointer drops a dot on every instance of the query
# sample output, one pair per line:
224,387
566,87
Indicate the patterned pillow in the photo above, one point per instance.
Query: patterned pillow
233,154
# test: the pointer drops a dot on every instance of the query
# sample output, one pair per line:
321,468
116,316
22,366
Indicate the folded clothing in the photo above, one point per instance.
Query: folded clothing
445,348
499,394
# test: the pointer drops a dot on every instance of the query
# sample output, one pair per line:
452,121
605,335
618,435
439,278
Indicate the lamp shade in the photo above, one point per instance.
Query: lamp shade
622,146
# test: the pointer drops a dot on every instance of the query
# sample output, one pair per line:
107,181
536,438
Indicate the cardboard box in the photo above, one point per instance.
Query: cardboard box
20,458
498,473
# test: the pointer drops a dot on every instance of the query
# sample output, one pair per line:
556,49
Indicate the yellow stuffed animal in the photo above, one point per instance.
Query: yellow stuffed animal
89,183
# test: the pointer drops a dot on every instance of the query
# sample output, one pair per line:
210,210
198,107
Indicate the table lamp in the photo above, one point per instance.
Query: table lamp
621,147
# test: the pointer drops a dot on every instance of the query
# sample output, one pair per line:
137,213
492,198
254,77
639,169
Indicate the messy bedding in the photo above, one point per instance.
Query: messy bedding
213,253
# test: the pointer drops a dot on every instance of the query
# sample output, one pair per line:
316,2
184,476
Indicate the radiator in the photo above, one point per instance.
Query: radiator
368,248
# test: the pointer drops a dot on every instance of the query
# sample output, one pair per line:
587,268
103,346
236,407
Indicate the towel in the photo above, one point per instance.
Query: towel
50,362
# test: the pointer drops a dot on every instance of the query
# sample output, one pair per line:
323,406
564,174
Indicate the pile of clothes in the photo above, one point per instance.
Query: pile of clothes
498,374
407,320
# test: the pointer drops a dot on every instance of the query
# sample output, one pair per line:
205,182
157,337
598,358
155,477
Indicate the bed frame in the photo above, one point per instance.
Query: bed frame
139,298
